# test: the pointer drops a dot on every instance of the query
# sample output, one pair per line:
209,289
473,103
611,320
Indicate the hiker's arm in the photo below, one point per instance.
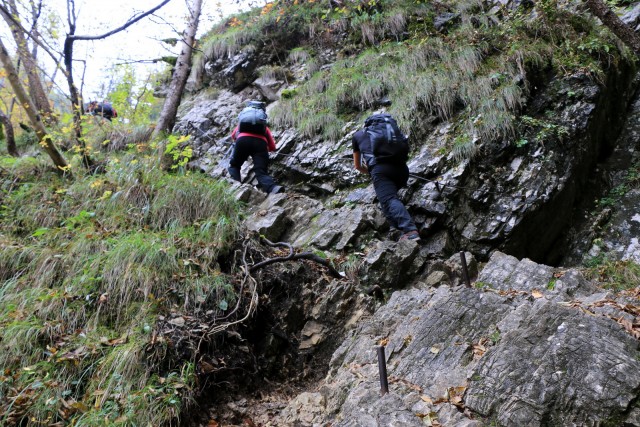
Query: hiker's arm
234,133
357,162
271,143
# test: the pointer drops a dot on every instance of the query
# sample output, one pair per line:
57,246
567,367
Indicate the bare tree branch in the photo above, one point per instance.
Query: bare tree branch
43,136
39,42
124,26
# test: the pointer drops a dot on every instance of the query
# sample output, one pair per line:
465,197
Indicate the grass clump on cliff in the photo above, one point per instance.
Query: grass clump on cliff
617,275
475,70
277,25
87,267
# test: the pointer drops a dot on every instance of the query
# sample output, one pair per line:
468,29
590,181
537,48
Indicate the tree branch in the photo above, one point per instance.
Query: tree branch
37,41
124,26
615,24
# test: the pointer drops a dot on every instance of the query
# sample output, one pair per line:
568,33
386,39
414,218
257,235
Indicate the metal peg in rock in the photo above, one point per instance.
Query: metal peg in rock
382,369
465,270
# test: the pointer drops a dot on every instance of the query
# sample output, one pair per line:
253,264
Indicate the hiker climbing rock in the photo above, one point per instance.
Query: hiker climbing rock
103,109
253,138
382,150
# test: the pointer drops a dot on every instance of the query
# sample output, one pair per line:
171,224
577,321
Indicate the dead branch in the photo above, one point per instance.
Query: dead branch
293,256
124,26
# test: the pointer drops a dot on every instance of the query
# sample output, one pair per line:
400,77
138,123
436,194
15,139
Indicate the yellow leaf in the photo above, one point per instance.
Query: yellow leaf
536,294
106,195
427,399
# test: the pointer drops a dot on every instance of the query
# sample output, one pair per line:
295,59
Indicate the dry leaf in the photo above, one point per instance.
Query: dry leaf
628,325
427,399
434,350
478,350
113,342
536,294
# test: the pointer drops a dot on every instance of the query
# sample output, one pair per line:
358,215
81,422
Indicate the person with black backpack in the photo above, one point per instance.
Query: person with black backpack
103,109
253,138
382,150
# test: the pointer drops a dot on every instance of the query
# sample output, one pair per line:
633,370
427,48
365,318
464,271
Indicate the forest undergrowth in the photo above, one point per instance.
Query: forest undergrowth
91,268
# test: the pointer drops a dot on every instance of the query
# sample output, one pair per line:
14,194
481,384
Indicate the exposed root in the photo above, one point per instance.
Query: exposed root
293,256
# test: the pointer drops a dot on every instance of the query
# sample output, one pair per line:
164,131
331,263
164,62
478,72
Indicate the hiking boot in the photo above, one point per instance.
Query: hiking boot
277,189
411,235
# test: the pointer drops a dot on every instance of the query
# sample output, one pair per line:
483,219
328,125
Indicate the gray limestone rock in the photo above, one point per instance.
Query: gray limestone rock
391,264
270,223
505,355
559,368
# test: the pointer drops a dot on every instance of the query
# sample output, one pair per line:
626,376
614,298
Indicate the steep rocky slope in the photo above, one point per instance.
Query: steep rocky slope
508,162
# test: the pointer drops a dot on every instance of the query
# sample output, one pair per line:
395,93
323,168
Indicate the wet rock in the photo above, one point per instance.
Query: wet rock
634,418
438,244
268,87
236,73
455,266
313,334
247,193
437,278
505,272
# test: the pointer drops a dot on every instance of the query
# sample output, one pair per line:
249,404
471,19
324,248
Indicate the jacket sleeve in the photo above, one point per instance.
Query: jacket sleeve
271,143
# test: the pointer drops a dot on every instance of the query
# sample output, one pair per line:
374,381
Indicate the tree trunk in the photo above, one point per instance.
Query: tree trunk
43,136
76,103
617,27
8,133
36,88
180,75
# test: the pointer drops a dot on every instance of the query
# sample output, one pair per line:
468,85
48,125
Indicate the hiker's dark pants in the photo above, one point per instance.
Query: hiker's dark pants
387,180
256,148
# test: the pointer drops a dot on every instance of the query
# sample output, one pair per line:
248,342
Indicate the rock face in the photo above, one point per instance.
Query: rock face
612,224
528,344
512,350
509,198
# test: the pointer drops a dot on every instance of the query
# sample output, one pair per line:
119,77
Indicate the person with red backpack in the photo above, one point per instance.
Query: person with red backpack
253,138
381,150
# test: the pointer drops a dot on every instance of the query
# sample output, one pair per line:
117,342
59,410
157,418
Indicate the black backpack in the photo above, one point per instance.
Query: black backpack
253,119
388,143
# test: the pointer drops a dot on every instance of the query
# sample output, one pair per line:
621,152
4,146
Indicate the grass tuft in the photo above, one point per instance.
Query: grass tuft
87,266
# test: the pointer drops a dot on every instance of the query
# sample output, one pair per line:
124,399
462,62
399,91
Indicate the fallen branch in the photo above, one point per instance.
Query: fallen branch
293,256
